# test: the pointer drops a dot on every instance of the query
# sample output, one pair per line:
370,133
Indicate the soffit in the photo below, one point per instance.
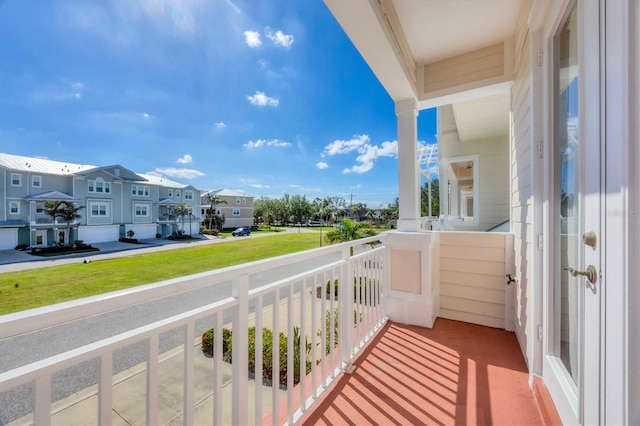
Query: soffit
483,118
432,30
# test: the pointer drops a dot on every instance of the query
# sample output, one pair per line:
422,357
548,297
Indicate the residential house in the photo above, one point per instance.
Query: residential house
116,200
563,279
235,205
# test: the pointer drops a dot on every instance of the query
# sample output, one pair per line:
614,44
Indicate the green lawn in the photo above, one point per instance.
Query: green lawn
45,286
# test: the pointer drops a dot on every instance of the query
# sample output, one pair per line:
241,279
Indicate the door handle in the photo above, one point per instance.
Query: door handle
591,273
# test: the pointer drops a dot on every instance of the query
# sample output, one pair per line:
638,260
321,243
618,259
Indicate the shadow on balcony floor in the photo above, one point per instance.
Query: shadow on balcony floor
455,373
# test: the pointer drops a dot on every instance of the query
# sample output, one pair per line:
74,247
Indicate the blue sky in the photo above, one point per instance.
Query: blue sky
265,96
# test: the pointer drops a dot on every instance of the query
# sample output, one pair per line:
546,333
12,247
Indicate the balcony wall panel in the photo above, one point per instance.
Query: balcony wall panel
472,281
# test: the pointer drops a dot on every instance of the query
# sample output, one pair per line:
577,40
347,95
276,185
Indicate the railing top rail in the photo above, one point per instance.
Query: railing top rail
26,321
29,372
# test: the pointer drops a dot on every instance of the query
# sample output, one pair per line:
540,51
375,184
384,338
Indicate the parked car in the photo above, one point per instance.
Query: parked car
241,231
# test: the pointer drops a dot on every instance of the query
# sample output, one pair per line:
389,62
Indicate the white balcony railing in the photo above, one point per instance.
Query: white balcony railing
333,325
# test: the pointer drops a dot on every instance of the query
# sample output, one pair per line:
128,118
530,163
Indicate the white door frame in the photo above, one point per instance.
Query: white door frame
581,405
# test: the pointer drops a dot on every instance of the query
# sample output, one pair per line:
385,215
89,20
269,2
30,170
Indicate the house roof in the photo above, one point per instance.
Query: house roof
12,223
41,165
162,181
51,195
227,193
167,202
45,166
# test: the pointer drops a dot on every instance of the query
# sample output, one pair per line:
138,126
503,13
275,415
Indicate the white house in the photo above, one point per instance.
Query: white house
566,139
115,200
235,205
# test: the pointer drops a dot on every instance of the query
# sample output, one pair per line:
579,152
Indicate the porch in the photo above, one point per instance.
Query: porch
174,382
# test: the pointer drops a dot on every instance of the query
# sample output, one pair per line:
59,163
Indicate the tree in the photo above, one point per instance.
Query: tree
299,208
213,200
182,210
52,208
435,198
349,230
69,213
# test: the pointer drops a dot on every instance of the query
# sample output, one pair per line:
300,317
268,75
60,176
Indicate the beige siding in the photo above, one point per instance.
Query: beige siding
472,281
521,186
480,64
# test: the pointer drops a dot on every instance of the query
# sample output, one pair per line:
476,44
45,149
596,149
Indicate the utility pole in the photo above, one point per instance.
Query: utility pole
351,202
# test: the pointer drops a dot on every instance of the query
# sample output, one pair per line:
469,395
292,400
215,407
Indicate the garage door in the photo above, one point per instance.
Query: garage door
8,238
143,231
98,234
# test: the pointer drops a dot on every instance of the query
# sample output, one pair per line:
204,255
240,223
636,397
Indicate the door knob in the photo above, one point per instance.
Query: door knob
591,273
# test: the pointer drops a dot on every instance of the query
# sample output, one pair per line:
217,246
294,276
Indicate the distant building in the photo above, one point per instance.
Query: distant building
235,205
115,200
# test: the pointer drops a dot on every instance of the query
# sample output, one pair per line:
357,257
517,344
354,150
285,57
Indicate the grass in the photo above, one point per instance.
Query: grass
45,286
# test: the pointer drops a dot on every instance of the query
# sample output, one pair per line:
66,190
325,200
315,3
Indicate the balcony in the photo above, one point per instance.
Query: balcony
453,373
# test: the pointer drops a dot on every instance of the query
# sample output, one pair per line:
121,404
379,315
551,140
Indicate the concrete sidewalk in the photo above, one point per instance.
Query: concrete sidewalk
129,386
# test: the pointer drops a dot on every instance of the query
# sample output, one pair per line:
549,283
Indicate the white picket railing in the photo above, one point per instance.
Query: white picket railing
297,305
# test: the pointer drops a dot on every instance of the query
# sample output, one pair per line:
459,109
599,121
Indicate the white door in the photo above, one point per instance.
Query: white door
572,351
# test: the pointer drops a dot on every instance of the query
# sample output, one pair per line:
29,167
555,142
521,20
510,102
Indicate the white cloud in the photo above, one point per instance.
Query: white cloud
368,153
279,38
259,185
344,147
261,100
322,165
220,125
186,159
59,92
252,38
264,142
179,173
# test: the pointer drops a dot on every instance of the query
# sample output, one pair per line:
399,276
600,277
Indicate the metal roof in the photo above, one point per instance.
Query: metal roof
41,165
227,193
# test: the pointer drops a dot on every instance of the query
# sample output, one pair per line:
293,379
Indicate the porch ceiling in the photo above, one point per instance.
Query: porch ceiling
398,37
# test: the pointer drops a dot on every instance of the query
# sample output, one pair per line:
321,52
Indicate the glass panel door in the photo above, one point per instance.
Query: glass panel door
568,242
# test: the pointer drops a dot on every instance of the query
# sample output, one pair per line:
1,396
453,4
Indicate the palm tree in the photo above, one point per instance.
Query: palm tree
52,208
182,210
213,201
349,230
69,213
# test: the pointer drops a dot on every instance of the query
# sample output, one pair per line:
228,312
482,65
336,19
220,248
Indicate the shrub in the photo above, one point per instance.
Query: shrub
267,352
207,343
21,247
130,233
158,235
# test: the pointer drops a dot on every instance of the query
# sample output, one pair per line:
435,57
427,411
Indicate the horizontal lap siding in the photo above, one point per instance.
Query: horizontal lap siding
522,183
472,277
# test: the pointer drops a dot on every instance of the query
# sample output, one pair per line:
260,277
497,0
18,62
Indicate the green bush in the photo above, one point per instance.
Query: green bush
207,343
267,352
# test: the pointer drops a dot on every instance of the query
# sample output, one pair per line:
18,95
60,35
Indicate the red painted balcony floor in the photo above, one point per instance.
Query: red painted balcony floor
455,373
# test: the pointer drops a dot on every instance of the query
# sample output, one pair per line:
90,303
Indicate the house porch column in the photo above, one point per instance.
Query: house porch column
408,173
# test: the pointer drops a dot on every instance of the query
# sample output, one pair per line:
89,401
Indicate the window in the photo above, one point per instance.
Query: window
238,200
16,179
14,207
188,195
236,212
40,208
461,182
244,200
99,209
142,210
140,190
177,193
36,181
99,186
170,193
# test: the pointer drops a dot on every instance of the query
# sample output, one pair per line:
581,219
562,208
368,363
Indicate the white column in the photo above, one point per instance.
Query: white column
408,173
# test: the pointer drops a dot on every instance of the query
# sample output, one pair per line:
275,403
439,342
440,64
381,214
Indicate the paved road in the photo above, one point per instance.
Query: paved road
23,349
